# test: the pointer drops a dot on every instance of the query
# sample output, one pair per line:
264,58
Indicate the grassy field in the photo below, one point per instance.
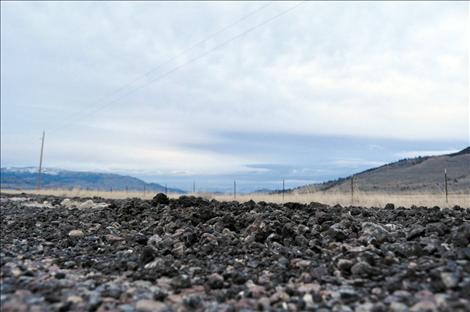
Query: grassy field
360,199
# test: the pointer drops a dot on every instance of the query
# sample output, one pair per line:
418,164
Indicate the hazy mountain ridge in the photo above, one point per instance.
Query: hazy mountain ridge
25,178
420,174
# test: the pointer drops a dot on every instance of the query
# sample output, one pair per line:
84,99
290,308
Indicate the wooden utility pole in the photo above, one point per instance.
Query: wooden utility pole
283,188
166,189
445,185
194,187
38,178
144,190
234,190
352,190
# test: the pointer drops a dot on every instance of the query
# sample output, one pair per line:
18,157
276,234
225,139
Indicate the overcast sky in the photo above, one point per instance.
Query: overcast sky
307,92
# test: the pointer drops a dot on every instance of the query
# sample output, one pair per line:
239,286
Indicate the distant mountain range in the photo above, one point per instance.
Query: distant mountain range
414,175
421,174
25,178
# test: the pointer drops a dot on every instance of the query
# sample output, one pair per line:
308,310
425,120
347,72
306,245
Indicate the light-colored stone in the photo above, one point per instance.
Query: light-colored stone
157,263
300,263
67,203
178,249
279,296
76,233
451,280
75,299
146,305
308,299
309,287
398,307
154,240
87,204
256,291
424,306
113,238
365,307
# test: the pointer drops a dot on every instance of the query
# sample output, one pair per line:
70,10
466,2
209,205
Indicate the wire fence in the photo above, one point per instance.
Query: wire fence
361,198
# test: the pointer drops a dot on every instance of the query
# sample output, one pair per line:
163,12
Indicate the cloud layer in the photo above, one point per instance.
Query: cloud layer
377,71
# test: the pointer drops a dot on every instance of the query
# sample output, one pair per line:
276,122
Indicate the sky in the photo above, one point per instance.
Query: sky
176,92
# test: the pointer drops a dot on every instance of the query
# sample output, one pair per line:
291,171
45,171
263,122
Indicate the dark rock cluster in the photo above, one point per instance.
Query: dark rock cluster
192,254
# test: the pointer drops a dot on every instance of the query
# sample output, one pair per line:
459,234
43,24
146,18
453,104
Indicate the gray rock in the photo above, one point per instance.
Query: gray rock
461,235
436,227
161,199
146,305
424,306
181,281
87,204
389,206
398,307
154,240
69,264
348,294
363,269
112,290
417,231
365,307
113,238
215,281
94,300
192,301
337,232
157,265
450,279
76,233
341,308
344,265
178,249
126,308
373,233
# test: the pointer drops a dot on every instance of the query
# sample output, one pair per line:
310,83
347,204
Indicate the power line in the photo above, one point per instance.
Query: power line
165,74
168,60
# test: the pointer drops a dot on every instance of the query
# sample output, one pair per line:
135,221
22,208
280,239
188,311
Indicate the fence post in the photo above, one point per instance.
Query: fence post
283,188
445,184
234,190
352,189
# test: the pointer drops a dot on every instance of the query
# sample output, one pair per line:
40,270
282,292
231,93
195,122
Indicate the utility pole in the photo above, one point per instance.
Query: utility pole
234,190
194,187
283,188
352,189
166,189
144,190
38,178
445,184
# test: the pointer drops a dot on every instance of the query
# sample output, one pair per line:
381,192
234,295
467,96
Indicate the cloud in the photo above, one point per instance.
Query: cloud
401,73
356,163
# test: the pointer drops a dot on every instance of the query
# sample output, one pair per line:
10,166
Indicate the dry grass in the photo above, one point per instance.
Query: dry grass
76,192
360,199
